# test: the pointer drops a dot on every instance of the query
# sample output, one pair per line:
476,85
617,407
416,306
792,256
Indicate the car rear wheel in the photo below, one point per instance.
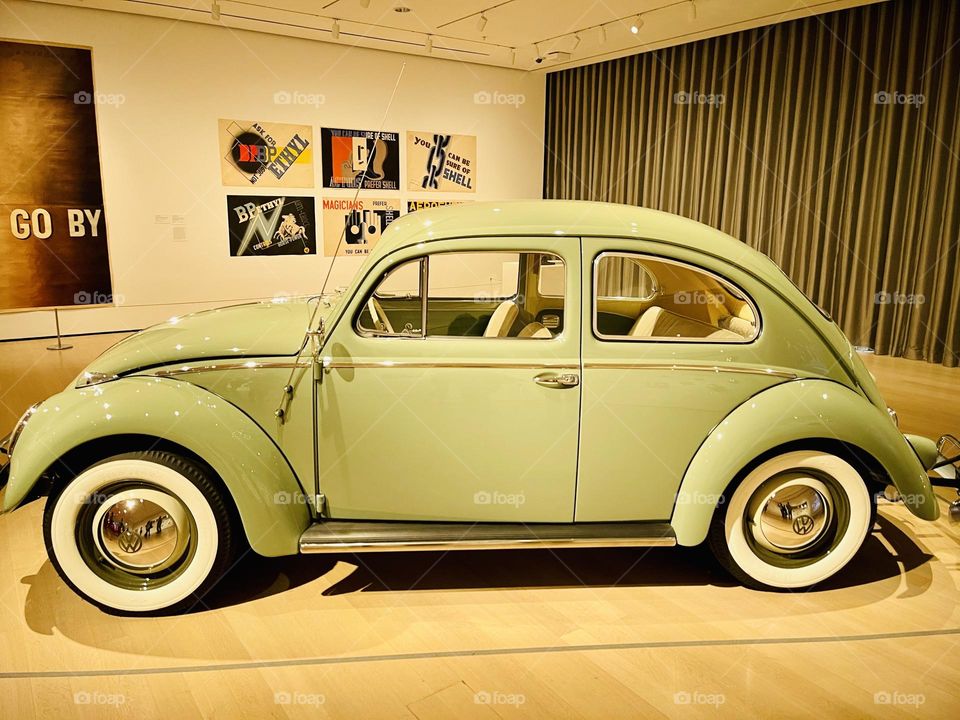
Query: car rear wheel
793,521
142,532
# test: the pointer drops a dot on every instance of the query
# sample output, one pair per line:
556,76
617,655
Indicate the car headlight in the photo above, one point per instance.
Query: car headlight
94,378
18,428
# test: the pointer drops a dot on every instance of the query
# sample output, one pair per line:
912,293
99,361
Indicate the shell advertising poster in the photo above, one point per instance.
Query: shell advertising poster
352,155
360,223
441,163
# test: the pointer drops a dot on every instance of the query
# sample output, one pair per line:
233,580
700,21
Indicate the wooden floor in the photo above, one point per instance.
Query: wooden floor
580,633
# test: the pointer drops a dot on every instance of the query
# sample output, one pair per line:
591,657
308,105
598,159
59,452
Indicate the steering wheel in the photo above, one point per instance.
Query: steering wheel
381,322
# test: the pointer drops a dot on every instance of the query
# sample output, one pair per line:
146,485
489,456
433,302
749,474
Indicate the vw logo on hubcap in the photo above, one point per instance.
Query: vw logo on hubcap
130,542
803,525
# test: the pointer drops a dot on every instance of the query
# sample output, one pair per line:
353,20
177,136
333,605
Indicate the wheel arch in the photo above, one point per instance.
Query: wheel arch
830,417
68,433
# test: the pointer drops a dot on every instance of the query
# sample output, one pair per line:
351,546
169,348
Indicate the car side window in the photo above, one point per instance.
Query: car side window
494,295
644,298
478,294
395,307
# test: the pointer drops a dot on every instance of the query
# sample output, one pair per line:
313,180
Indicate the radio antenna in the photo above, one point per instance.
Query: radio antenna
288,387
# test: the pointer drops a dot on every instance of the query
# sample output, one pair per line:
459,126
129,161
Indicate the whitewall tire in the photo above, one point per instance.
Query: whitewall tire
140,533
793,521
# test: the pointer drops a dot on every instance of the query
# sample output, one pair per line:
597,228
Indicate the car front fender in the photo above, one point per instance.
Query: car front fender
801,410
264,488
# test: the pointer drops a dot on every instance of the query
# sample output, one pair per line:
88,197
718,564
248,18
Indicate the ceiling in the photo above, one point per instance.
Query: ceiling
506,33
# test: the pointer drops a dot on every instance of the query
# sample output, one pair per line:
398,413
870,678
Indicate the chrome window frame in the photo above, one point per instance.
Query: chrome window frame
745,296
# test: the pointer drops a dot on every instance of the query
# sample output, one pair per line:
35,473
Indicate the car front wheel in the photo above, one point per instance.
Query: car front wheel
140,533
793,521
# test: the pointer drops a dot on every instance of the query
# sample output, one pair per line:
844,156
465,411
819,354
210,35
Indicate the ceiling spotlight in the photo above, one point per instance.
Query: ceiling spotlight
335,30
482,22
428,45
637,24
215,10
513,56
692,10
576,41
603,34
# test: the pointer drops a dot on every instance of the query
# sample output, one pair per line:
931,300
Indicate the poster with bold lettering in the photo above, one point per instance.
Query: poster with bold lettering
352,155
353,227
266,154
414,205
53,237
271,225
441,163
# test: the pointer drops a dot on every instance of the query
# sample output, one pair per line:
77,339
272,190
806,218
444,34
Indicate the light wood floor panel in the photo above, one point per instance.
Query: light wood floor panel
613,633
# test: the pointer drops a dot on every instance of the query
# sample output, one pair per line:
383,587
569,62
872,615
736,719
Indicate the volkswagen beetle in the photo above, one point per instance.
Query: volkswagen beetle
507,375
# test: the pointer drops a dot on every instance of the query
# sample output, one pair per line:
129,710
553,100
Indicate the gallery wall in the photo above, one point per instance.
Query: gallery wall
829,143
161,87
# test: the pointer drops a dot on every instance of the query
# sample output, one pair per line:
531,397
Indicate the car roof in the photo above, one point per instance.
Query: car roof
565,218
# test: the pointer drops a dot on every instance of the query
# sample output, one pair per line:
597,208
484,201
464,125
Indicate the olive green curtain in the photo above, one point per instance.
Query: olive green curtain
831,143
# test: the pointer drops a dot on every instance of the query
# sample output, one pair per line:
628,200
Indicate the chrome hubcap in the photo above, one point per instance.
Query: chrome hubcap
141,530
790,513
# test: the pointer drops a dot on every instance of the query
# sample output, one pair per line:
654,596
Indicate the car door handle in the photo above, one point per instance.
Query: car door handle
566,380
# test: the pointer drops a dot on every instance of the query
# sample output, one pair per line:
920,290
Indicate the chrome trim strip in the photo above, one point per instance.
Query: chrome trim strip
308,546
384,364
186,370
702,368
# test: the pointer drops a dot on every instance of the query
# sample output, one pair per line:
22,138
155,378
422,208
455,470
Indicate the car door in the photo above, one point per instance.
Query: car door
670,348
447,396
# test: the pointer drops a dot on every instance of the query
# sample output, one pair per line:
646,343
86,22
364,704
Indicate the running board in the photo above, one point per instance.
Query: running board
334,536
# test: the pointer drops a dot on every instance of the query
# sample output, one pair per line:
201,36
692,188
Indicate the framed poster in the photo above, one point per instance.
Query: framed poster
414,205
359,222
441,163
262,225
265,154
349,155
53,237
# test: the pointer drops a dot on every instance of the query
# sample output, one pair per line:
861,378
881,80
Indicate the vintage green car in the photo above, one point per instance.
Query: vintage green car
499,375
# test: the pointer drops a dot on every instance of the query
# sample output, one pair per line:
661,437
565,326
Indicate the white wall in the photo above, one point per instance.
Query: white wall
159,153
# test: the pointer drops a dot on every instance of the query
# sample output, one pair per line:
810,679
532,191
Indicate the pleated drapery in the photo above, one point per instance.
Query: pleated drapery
831,143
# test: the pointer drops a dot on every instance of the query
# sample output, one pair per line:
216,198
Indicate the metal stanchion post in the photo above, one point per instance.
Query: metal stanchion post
59,345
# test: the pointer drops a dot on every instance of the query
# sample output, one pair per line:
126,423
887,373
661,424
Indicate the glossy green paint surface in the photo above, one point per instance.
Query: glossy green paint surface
237,331
483,443
802,409
256,473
